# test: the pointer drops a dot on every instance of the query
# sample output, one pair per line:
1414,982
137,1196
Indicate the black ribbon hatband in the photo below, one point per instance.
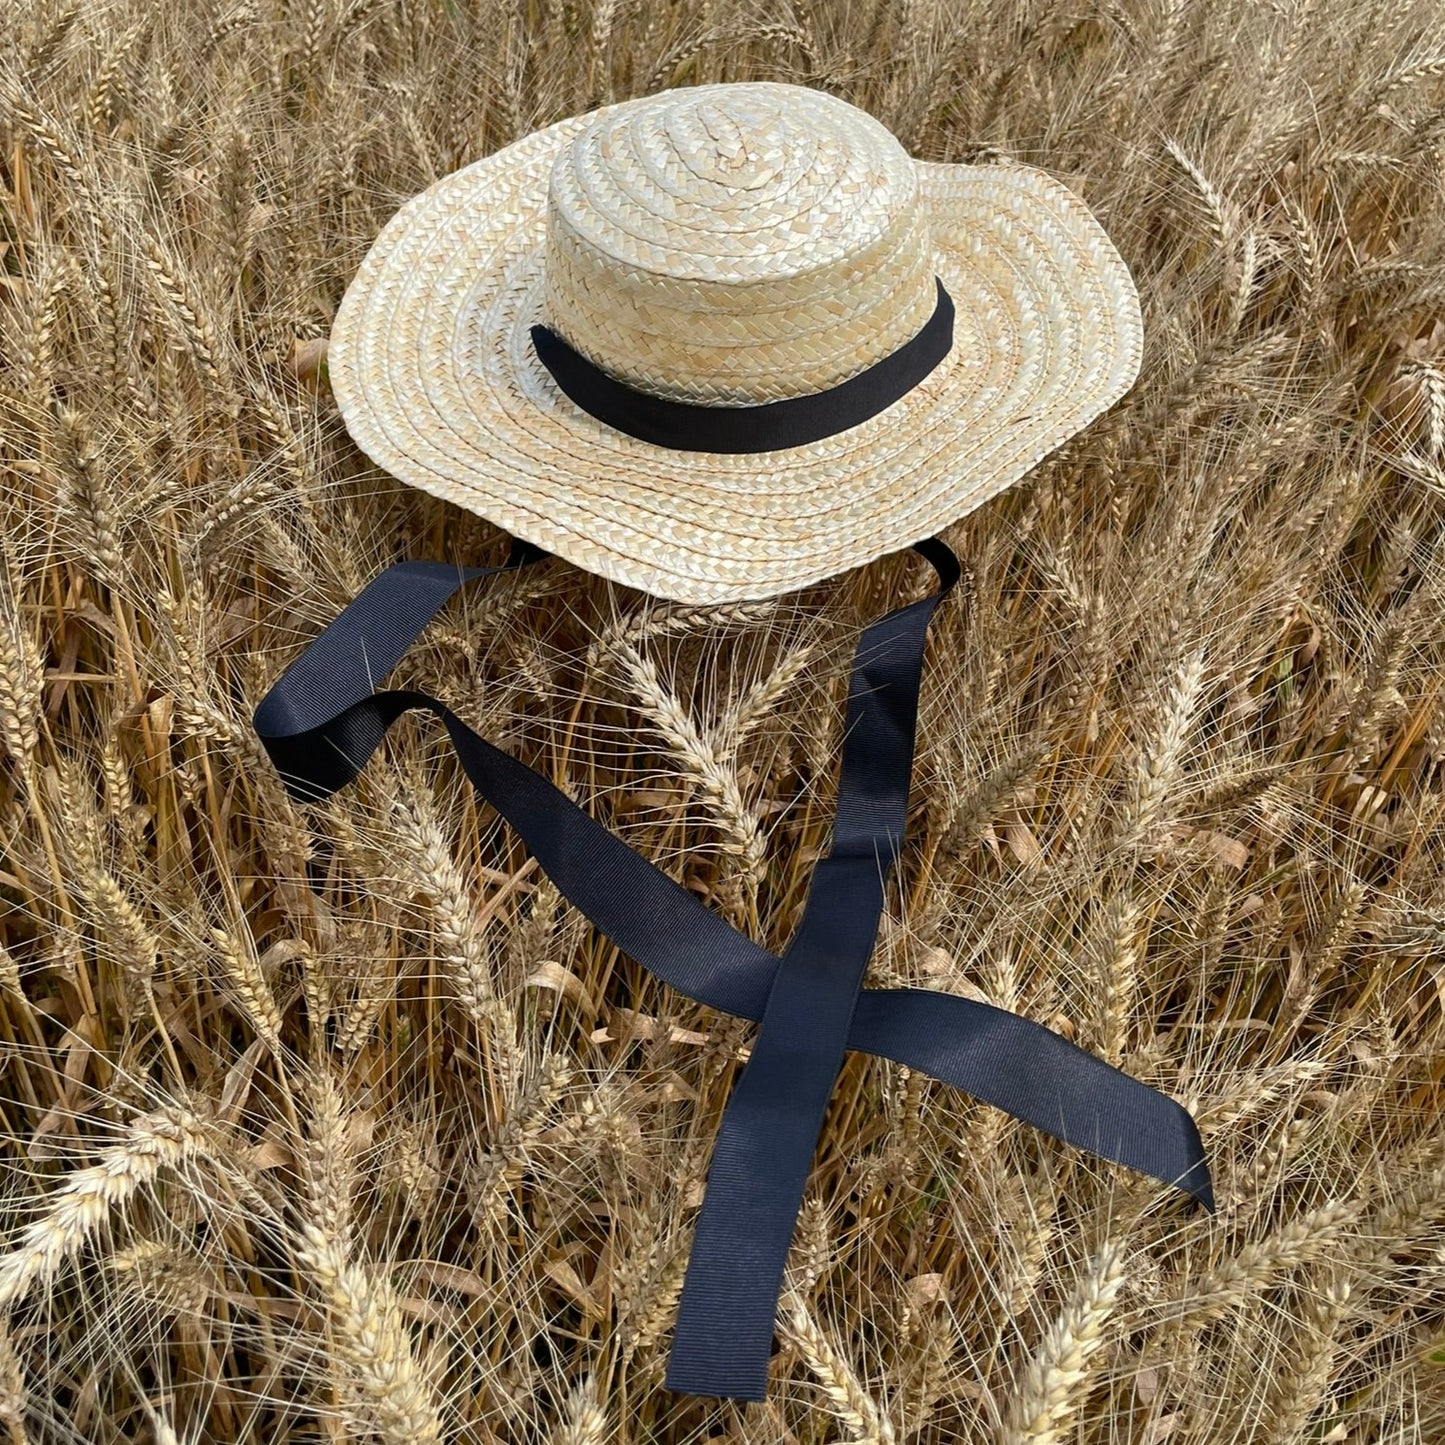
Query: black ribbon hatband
790,421
321,722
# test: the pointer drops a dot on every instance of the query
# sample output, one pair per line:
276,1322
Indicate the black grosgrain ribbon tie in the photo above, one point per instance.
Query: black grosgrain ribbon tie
323,719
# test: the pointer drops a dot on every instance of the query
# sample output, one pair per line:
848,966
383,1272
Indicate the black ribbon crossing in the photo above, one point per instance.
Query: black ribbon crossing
323,719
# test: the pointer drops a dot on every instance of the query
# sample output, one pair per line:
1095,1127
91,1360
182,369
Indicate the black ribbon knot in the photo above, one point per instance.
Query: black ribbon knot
322,721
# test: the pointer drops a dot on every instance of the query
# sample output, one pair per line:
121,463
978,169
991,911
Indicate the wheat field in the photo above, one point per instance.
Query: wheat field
336,1122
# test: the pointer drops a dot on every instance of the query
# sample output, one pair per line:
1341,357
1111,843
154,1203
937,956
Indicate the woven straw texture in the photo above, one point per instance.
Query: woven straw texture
728,244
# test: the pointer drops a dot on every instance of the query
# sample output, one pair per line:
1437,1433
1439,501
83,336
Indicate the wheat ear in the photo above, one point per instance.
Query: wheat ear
1052,1386
1159,762
701,759
586,1420
22,672
14,1398
462,941
854,1405
243,972
330,1175
1120,950
1258,1265
373,1341
169,1136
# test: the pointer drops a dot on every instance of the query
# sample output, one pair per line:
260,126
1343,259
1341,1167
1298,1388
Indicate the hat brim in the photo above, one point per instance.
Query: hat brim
432,366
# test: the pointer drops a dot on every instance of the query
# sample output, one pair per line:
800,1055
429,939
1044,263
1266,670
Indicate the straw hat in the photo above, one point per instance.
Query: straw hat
728,245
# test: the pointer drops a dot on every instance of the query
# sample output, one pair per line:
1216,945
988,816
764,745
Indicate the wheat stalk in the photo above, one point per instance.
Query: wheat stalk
603,14
106,89
51,39
1300,1389
656,1307
48,136
675,620
10,973
762,699
227,25
49,279
125,929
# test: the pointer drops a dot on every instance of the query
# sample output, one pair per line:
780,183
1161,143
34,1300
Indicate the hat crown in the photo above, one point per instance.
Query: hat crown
736,243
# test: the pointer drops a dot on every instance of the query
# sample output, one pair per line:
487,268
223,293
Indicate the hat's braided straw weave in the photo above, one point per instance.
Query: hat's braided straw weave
728,243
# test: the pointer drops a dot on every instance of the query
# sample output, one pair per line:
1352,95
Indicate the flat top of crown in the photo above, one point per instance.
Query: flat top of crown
752,179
